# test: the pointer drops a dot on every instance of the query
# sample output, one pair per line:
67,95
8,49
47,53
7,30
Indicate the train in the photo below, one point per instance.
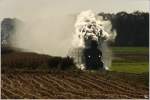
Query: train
92,57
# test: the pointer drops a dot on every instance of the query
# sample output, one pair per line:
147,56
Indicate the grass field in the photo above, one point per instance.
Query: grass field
130,59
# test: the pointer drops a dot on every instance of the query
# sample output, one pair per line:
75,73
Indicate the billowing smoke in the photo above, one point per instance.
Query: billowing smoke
44,29
44,36
90,27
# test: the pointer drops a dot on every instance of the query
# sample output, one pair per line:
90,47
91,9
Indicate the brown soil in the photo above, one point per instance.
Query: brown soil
72,84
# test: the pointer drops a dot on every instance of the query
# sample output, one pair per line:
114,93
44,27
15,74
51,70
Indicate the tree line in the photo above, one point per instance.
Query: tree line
132,28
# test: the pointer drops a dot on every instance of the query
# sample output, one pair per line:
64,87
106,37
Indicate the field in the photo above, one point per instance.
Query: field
128,78
130,59
73,85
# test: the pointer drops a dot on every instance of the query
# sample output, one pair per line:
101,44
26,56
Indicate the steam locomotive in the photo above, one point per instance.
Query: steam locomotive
92,57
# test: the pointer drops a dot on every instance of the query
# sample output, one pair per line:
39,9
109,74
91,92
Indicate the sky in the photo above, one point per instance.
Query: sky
11,7
51,22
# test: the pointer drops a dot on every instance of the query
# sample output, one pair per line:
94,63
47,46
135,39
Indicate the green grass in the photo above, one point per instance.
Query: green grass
138,64
130,49
130,67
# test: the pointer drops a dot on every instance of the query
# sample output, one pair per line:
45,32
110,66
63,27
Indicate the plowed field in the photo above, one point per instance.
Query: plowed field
73,84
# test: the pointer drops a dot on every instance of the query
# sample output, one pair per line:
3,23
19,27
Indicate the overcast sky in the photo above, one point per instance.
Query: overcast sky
16,7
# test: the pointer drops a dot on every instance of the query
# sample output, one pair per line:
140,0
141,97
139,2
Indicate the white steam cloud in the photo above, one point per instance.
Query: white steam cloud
44,36
88,27
44,30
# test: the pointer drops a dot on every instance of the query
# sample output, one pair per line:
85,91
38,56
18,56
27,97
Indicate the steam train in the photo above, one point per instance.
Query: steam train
89,58
92,57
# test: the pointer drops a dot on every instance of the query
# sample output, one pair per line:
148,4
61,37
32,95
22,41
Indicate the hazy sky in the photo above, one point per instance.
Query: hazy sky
24,8
73,6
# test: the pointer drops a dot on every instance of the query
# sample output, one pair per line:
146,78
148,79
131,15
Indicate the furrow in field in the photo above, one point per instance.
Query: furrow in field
63,89
59,85
64,83
126,90
110,84
67,85
115,84
10,94
31,87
